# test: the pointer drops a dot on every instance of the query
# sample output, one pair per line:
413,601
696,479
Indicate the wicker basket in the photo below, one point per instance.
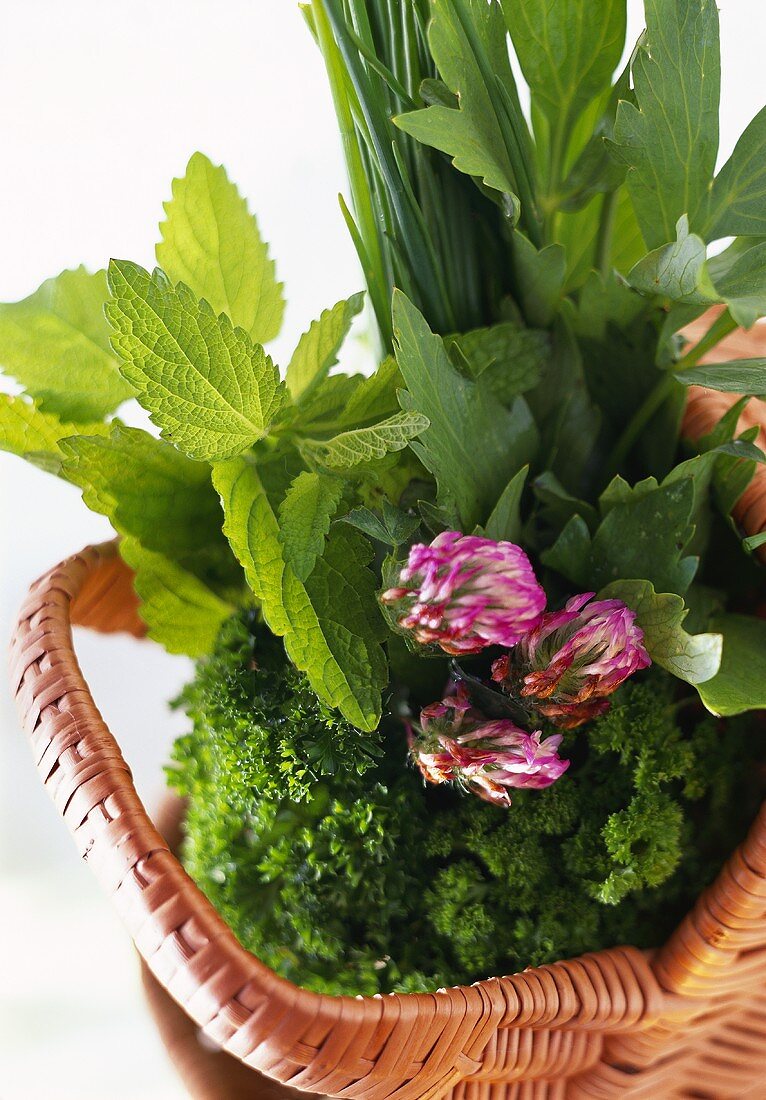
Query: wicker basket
688,1020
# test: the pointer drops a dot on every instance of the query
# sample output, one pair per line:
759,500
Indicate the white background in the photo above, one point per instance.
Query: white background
101,104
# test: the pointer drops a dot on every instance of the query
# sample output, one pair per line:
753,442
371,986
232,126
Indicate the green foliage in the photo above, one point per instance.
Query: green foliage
740,684
331,623
364,445
317,349
669,138
205,384
341,871
211,243
56,344
27,431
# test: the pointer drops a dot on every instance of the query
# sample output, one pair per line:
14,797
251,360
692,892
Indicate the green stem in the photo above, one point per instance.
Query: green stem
655,399
606,233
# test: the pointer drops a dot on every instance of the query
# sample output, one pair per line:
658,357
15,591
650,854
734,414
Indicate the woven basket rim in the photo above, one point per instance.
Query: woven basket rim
403,1045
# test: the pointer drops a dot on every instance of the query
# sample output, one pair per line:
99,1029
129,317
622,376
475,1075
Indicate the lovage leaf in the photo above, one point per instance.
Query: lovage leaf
567,50
739,193
211,390
304,519
472,446
740,684
331,623
56,344
211,243
475,133
669,139
674,270
740,376
363,445
642,536
695,658
181,612
318,347
504,522
148,490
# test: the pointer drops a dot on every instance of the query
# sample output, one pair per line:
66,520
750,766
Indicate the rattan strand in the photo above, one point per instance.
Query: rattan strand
686,1021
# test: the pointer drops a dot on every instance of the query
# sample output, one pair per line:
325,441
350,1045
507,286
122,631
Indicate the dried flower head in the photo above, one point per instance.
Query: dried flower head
463,593
455,743
575,658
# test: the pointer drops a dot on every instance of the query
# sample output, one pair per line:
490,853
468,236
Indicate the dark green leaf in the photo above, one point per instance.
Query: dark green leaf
739,192
740,376
504,522
740,684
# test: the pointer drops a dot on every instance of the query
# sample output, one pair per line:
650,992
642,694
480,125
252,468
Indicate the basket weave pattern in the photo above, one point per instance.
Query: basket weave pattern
688,1020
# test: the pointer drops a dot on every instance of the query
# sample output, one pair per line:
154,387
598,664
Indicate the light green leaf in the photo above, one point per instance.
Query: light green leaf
669,139
475,135
182,614
318,347
211,243
148,490
739,192
304,519
740,684
675,270
56,344
27,431
205,384
567,50
754,542
473,446
363,445
740,376
694,658
540,277
504,522
331,623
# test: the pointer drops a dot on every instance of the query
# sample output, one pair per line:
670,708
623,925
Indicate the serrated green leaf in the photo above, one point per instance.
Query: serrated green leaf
318,347
364,445
507,357
740,684
181,612
27,431
641,535
669,139
150,491
474,134
567,50
331,624
740,376
472,446
211,390
694,658
504,522
739,193
56,344
393,528
304,519
211,243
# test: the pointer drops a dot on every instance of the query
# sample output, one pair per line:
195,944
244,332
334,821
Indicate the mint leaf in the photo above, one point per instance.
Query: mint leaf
475,134
669,139
211,243
56,344
182,614
740,376
318,347
504,522
35,435
363,445
148,490
740,684
567,50
472,446
304,520
739,193
204,383
331,623
694,658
